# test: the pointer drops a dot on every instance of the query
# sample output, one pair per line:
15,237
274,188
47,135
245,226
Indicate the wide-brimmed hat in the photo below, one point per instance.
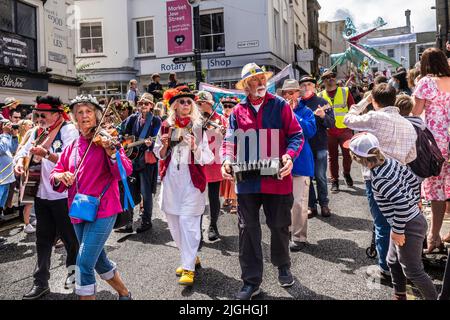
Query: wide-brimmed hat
10,101
307,78
205,96
251,70
173,94
290,84
230,100
148,97
327,73
85,99
49,104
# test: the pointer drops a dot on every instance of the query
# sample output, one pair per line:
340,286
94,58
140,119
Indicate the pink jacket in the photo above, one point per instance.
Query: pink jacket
95,173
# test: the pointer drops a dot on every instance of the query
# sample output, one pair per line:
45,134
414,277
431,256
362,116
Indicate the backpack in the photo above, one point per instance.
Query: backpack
429,159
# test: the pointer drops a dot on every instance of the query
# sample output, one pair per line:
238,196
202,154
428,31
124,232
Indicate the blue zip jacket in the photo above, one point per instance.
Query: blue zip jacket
304,164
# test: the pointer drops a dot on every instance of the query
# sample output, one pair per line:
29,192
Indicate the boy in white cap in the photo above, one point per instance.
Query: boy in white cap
397,191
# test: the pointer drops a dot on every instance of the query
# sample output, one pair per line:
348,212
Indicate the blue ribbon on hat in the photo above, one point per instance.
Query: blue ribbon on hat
127,199
253,72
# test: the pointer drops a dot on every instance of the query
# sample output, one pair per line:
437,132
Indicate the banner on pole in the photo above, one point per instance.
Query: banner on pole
179,27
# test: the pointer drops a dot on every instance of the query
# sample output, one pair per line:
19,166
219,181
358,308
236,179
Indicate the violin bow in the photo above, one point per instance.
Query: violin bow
97,130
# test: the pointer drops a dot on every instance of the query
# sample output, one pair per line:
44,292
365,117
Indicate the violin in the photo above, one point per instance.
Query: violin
111,135
208,123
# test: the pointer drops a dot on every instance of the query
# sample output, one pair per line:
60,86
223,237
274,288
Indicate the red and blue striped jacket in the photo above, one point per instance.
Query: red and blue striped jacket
275,122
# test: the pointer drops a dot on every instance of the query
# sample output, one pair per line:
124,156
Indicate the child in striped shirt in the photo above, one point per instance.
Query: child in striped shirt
397,193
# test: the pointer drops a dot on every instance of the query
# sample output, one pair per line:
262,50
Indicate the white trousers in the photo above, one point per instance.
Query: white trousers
299,225
186,232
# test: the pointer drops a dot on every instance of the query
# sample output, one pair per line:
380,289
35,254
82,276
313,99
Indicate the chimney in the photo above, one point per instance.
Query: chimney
408,19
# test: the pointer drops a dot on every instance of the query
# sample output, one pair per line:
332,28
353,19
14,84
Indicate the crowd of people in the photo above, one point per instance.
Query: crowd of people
267,151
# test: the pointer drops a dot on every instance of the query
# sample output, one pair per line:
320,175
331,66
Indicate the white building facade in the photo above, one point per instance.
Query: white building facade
395,47
120,40
37,50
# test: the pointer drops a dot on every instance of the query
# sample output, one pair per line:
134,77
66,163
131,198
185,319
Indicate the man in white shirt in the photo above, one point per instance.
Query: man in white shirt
44,147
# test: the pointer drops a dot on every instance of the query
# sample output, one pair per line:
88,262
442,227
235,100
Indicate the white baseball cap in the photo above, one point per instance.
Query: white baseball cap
362,143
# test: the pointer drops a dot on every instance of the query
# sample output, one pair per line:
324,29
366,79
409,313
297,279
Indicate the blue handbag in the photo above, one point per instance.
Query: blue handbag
85,207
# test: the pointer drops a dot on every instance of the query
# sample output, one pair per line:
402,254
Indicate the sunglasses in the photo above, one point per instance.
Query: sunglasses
329,78
185,102
40,115
228,106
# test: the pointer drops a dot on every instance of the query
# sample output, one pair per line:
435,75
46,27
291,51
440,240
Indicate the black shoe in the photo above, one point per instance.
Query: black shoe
325,211
312,213
213,233
285,277
8,211
2,239
335,187
127,229
36,293
128,297
70,281
348,180
296,246
144,227
247,292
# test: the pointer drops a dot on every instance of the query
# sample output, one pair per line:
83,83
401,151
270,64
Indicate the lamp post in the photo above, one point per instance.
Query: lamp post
197,45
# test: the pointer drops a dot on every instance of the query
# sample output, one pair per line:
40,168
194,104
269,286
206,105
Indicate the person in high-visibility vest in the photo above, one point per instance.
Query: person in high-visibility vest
340,99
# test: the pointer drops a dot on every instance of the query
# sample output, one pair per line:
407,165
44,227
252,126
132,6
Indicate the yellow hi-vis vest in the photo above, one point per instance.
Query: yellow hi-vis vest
339,104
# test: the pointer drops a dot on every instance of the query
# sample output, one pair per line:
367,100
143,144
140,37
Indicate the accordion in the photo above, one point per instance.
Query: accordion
258,168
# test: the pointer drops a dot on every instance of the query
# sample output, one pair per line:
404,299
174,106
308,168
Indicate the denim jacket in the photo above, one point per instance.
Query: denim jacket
8,146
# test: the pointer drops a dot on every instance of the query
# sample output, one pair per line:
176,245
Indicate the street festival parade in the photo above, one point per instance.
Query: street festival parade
224,150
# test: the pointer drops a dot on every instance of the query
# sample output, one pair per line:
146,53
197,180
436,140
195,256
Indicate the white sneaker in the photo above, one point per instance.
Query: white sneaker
34,222
29,229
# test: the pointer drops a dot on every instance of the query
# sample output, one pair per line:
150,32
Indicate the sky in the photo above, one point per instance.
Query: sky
365,12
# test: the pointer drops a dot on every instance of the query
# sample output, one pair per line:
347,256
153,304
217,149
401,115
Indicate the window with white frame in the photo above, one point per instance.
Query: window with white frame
91,37
212,34
145,36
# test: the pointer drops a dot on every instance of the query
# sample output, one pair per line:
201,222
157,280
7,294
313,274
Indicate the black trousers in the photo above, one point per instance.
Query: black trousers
147,180
52,220
277,209
214,201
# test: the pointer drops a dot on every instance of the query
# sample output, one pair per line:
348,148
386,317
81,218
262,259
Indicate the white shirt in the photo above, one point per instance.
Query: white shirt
178,195
45,191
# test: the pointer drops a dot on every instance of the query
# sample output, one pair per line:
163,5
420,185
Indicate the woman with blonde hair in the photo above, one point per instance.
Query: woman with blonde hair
183,147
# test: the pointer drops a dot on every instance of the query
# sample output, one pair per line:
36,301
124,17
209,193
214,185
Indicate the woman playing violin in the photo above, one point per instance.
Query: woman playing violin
205,103
98,172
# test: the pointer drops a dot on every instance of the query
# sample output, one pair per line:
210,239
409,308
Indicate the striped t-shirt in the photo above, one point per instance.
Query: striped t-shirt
397,192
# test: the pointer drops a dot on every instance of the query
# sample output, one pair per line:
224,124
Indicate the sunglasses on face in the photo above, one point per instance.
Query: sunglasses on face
329,78
185,102
228,106
40,115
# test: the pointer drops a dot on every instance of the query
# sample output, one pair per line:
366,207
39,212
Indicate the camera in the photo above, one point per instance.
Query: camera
15,127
